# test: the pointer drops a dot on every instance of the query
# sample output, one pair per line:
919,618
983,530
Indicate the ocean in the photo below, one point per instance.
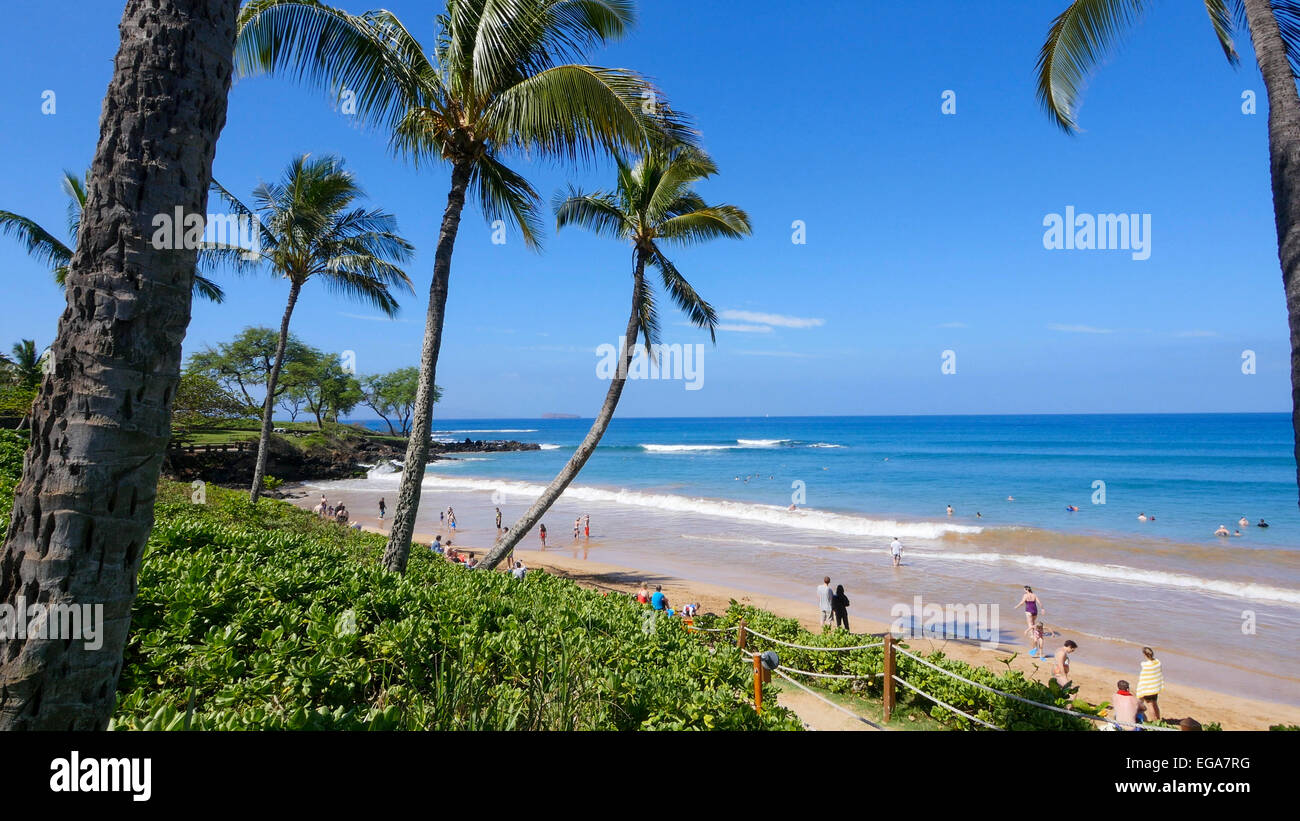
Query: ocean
710,498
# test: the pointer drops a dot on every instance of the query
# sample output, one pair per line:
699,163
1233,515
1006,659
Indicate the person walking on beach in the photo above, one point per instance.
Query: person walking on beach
577,527
586,526
1032,608
1151,682
896,551
383,506
840,606
1037,650
498,520
1061,669
451,519
542,531
824,596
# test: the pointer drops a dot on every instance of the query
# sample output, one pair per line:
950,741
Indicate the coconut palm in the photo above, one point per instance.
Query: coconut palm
310,230
1087,30
653,206
101,422
494,84
25,365
46,249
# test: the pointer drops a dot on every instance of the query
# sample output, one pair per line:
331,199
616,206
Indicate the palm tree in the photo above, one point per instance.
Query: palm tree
655,204
25,366
100,425
309,230
495,83
1088,29
46,249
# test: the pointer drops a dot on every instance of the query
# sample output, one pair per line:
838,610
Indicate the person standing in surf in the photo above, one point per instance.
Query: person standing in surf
586,526
498,520
542,532
1032,608
896,550
383,506
824,603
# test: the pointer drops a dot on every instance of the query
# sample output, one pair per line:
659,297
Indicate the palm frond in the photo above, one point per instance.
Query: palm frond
704,224
1079,38
207,289
699,312
505,194
40,244
647,315
1221,18
598,212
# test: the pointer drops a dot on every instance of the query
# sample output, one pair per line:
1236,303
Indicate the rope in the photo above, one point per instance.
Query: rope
712,629
827,701
1030,702
945,705
806,647
829,675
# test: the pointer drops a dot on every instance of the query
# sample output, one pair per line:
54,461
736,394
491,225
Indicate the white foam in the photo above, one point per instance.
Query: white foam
548,447
760,443
1124,573
684,448
806,519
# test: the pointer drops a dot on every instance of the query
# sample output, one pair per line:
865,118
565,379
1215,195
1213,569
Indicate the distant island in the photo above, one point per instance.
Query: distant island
560,416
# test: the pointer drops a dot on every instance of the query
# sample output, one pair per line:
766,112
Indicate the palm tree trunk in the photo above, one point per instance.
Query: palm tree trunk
1284,162
506,543
417,446
83,511
268,407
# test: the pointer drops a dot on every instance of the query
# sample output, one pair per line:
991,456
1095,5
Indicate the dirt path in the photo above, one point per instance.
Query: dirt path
815,714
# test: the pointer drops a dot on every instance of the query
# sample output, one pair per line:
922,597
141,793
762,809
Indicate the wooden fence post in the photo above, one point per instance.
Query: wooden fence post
758,683
889,676
740,635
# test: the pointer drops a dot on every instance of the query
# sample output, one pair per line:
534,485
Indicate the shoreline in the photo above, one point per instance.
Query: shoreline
1096,683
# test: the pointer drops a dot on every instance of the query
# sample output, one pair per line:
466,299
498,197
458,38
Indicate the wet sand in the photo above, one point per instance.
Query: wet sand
573,560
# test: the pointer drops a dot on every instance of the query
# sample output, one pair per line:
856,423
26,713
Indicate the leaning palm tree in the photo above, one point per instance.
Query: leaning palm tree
495,83
310,230
1087,29
100,424
46,249
655,204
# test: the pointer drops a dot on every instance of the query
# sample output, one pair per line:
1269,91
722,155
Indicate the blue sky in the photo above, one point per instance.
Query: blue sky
924,230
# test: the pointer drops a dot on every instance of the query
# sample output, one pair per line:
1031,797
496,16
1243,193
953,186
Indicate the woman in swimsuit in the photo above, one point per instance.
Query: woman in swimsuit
1032,607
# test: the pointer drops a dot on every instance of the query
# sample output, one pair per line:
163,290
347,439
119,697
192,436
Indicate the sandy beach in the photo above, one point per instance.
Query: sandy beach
1096,683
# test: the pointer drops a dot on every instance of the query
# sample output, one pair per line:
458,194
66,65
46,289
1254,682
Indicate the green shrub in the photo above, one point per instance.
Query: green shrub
267,617
994,709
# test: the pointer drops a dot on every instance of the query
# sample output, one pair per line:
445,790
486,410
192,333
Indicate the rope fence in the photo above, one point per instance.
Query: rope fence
762,674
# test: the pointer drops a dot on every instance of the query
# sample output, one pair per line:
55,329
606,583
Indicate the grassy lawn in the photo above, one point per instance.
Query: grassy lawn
302,435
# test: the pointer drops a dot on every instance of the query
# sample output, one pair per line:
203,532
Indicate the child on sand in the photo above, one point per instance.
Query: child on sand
1037,636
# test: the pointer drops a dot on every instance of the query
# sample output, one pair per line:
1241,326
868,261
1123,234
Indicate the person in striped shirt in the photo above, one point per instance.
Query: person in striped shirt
1150,683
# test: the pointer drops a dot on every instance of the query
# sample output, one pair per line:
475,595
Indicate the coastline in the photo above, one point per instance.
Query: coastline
1096,683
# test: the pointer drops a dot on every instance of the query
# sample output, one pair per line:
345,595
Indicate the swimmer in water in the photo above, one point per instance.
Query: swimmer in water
1142,517
949,510
1262,523
1011,498
1244,522
1236,533
1222,531
1072,508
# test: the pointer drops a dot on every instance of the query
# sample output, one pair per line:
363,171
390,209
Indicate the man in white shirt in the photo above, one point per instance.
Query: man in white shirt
896,550
519,570
824,600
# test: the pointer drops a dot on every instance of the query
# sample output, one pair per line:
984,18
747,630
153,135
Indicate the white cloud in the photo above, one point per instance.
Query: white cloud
746,329
779,320
1080,329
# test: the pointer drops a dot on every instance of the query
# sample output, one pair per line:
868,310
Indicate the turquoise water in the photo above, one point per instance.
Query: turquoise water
1190,472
